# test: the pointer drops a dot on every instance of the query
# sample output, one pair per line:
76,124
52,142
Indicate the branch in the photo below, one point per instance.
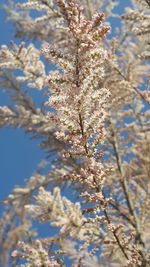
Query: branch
116,237
128,199
133,87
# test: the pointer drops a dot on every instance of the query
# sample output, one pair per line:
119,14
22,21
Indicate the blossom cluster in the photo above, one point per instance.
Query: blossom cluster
26,60
64,214
79,103
35,255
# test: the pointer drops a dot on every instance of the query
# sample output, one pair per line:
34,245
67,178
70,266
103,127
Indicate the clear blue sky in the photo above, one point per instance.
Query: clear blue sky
19,156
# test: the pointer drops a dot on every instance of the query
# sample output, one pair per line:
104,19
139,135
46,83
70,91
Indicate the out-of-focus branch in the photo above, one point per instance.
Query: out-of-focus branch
125,187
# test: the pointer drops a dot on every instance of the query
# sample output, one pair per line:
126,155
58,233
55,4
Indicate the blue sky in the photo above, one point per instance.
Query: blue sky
19,156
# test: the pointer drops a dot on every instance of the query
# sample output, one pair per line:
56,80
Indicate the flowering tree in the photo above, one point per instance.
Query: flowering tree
95,127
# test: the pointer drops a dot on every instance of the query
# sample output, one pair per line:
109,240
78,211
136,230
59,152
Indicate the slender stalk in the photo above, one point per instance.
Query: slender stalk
133,87
128,199
116,237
